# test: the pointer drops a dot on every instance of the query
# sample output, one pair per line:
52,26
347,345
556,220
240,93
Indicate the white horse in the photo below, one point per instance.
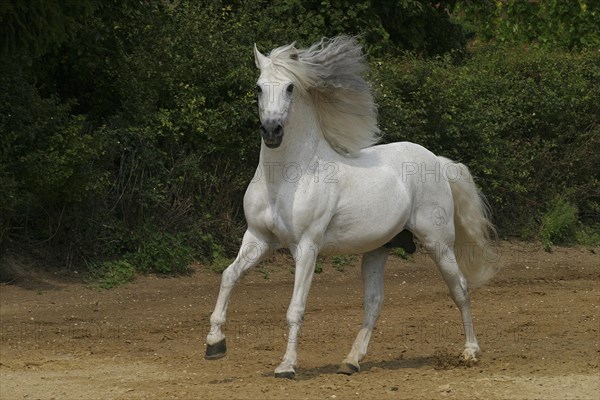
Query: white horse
322,188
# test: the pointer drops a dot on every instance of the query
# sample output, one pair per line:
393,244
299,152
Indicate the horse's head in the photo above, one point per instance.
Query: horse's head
327,79
275,92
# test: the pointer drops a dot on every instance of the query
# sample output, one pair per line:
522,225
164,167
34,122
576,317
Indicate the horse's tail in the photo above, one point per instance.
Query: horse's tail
476,253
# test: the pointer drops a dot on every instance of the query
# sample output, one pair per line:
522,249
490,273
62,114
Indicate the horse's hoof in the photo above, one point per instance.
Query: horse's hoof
469,360
286,375
347,369
216,351
470,355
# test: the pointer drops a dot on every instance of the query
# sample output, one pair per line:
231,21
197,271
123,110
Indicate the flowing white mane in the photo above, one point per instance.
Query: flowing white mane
330,71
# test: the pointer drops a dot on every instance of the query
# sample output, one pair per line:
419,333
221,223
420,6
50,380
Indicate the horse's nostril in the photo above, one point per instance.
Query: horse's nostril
273,128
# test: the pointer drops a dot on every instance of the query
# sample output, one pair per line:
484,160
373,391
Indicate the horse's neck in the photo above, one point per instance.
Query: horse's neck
302,140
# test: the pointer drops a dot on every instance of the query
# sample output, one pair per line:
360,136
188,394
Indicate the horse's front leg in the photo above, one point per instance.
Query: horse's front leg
252,251
373,264
305,256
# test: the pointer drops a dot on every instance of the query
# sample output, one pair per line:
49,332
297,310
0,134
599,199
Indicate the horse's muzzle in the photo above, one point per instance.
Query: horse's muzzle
272,134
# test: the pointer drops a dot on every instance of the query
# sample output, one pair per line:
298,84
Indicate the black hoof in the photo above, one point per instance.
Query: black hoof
216,351
286,375
347,369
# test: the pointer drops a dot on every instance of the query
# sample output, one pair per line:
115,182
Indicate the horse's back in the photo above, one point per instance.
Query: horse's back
422,175
402,155
416,167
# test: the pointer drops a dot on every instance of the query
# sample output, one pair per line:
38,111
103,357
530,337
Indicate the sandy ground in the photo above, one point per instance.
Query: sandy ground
537,324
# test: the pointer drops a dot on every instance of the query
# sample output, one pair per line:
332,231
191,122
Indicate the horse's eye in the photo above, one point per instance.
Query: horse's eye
290,88
258,89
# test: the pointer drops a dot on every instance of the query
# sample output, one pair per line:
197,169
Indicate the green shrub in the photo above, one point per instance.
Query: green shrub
559,224
220,263
162,253
589,235
45,160
570,24
111,273
136,138
157,252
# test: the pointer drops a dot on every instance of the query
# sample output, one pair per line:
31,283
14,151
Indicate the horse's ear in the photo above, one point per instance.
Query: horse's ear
259,58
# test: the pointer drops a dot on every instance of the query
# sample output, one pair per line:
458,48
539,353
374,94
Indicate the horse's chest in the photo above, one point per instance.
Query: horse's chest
287,221
288,217
287,211
277,222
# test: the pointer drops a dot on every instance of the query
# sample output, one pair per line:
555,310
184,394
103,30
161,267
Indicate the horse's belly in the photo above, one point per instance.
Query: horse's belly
367,221
358,240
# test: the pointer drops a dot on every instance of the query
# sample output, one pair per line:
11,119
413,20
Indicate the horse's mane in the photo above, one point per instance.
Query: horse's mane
330,71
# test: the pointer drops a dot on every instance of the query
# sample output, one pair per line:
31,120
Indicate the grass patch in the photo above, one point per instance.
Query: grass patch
340,262
319,266
110,274
265,272
400,252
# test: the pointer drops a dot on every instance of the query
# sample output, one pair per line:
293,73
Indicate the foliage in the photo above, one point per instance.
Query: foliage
143,115
422,26
109,274
340,262
419,26
220,263
265,272
44,159
162,253
588,235
319,266
154,252
559,224
39,26
555,23
401,253
128,129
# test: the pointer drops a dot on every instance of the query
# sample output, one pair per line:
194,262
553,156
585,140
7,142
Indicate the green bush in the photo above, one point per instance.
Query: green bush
559,224
162,253
220,263
148,251
588,235
110,274
46,156
565,24
133,135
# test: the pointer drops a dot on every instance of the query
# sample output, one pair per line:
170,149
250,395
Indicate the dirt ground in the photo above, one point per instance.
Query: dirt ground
537,324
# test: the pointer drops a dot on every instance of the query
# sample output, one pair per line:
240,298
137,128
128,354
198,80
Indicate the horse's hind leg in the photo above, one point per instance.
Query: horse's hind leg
446,262
372,267
439,244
